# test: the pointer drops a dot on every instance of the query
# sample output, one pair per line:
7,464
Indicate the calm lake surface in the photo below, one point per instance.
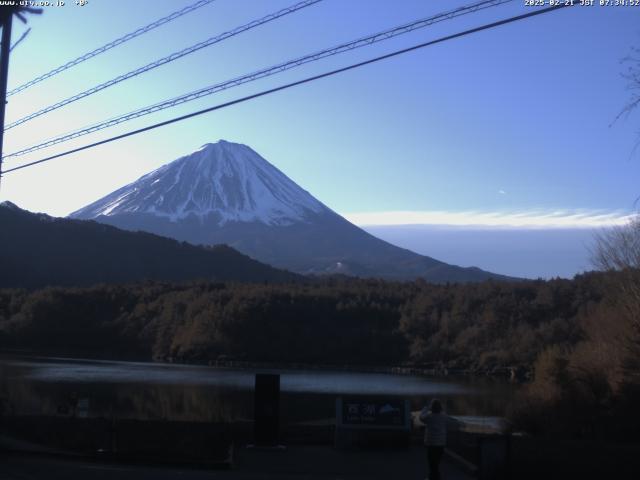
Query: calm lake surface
49,386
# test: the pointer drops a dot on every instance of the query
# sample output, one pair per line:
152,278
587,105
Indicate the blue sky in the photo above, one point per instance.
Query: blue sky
511,122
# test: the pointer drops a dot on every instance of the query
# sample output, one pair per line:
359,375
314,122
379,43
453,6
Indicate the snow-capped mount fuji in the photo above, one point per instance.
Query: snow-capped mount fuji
226,193
225,181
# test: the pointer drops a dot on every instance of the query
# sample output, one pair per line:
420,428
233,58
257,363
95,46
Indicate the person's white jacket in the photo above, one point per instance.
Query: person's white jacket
435,433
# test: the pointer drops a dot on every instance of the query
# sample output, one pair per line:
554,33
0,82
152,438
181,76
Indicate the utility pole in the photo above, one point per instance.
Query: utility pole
6,21
5,49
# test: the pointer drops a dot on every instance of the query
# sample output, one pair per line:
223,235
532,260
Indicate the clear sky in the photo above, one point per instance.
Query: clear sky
511,123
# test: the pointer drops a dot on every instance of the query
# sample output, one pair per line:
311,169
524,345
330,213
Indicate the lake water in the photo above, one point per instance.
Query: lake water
49,386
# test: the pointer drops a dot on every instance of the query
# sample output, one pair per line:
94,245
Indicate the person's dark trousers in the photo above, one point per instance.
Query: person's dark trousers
434,454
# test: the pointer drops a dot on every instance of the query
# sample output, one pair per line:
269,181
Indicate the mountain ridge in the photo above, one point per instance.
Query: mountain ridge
37,250
227,193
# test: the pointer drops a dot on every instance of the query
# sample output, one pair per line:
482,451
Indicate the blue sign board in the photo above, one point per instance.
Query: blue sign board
372,412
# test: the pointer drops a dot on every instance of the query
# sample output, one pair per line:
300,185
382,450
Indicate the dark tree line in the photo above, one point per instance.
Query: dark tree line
476,327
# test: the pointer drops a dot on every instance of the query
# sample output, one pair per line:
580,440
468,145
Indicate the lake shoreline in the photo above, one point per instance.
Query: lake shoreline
511,374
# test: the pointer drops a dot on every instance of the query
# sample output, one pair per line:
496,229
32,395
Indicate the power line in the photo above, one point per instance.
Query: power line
22,37
294,84
378,37
168,59
112,44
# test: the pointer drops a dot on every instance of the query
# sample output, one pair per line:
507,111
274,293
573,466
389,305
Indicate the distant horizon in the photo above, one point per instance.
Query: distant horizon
530,253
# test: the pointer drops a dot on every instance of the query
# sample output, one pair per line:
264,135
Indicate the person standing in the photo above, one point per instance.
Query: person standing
435,436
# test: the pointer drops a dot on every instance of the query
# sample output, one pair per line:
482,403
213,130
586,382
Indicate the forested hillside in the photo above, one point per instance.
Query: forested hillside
37,250
473,327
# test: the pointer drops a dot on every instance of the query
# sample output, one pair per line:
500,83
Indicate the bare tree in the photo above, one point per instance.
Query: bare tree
618,248
632,76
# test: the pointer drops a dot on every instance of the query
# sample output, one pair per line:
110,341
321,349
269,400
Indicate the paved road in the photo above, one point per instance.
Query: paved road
308,463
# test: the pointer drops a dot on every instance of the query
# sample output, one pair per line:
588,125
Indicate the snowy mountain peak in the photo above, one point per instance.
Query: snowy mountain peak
219,144
226,180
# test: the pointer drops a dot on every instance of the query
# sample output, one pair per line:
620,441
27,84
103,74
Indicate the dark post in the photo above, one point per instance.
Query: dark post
4,70
267,410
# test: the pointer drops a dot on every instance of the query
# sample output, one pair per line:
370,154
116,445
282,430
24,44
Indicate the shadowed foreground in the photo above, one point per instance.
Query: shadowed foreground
304,462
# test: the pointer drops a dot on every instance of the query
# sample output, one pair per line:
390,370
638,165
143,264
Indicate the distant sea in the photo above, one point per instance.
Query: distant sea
527,252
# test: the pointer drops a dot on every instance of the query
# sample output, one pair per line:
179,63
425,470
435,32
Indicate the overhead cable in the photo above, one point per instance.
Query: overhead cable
168,59
112,44
371,39
293,84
